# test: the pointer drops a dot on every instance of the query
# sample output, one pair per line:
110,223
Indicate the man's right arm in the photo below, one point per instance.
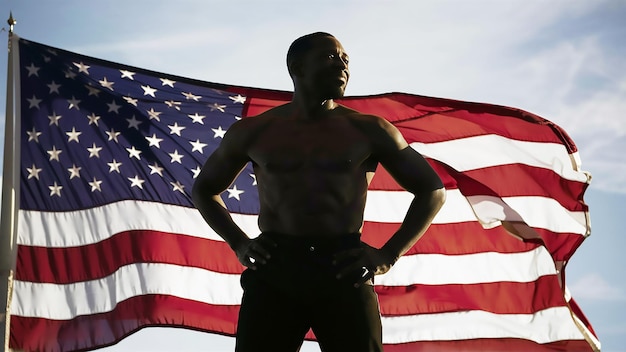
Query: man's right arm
219,171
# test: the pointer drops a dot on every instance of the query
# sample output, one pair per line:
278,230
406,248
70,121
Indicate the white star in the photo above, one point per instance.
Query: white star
82,67
33,135
34,102
175,129
128,74
93,90
113,107
69,74
133,153
190,96
197,146
54,153
94,151
167,82
55,190
33,70
33,172
219,132
93,119
156,169
217,106
196,171
74,171
136,182
113,135
147,90
237,117
106,84
73,103
238,99
133,123
154,115
197,118
176,157
177,187
131,101
54,119
54,87
95,185
114,166
253,179
73,135
234,192
173,104
154,141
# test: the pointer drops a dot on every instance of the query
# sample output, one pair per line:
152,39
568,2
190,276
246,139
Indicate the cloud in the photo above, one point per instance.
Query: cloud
595,287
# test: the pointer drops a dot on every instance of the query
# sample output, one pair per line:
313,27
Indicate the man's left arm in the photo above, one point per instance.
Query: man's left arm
412,172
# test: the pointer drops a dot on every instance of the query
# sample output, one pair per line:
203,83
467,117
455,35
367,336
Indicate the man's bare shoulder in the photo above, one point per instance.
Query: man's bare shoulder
371,123
251,126
381,132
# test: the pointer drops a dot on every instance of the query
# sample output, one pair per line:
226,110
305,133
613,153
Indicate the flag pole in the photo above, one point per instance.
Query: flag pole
10,190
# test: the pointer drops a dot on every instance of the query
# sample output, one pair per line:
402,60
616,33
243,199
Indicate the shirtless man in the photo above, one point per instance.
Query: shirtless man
313,161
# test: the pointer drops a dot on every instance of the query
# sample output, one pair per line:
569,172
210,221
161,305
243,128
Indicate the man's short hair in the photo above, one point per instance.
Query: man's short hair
301,46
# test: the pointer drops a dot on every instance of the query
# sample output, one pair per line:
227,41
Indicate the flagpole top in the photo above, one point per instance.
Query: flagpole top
11,21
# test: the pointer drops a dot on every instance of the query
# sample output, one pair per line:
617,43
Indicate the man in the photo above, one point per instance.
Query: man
313,161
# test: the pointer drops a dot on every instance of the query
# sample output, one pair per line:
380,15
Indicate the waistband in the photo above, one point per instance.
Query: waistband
315,243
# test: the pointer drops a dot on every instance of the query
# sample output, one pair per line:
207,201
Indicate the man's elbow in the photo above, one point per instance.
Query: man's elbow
438,197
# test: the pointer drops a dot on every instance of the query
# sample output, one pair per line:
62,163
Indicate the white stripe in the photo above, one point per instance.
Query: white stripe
465,154
77,228
549,325
439,269
63,302
83,227
55,301
391,207
540,212
67,301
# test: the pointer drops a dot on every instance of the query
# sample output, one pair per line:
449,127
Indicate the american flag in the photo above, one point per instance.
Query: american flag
109,241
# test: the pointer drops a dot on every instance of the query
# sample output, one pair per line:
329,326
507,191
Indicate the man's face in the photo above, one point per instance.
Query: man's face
325,69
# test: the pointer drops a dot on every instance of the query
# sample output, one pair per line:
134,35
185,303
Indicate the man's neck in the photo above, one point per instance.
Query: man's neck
311,109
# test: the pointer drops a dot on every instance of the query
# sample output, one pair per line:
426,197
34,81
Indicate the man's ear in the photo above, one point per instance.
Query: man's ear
295,69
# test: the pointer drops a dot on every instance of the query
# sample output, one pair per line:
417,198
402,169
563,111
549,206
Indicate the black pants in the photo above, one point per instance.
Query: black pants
297,291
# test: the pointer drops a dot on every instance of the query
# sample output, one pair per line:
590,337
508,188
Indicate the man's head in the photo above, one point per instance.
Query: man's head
318,63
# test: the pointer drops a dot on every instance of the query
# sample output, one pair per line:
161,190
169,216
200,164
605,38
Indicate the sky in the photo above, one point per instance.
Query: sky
564,60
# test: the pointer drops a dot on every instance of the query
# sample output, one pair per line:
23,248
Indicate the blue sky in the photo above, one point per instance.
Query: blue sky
563,60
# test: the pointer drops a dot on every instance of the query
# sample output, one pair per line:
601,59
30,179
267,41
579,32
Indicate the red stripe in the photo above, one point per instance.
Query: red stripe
81,263
99,330
490,345
98,260
427,119
495,297
471,237
502,181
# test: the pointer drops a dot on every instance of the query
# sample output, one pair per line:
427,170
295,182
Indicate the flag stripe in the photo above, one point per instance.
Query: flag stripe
528,181
453,325
465,154
219,288
75,264
471,237
49,229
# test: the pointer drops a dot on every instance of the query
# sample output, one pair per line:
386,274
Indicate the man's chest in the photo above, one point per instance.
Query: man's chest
331,148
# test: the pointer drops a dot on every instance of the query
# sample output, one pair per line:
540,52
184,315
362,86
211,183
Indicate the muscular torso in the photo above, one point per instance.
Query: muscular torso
312,176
